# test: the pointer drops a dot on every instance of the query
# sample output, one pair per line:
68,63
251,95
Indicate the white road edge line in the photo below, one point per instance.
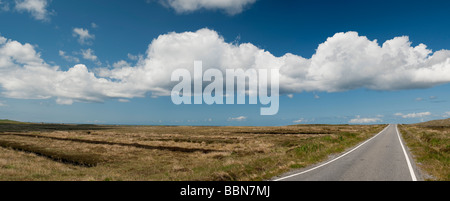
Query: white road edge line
293,175
411,170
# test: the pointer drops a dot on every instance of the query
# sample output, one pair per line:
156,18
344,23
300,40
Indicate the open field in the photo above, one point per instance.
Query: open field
430,144
94,152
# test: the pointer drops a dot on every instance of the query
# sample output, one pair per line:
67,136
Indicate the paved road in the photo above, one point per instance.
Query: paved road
381,158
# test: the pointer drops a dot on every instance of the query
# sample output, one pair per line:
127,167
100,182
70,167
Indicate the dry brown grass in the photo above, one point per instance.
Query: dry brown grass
88,152
430,144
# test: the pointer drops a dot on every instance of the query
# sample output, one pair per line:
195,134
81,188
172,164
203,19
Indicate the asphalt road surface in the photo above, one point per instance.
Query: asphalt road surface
381,158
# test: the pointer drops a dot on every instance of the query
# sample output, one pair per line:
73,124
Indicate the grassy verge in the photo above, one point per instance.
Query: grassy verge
431,147
73,152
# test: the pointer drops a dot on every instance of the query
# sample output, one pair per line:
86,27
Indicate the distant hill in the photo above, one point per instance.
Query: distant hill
441,122
7,121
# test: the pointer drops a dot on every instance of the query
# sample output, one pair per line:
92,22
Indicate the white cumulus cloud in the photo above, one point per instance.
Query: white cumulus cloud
25,75
345,61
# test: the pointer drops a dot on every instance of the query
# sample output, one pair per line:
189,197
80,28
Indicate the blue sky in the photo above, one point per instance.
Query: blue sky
113,34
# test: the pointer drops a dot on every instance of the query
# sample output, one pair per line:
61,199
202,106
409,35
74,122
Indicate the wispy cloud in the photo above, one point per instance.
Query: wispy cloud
83,35
68,57
241,118
413,115
90,55
446,114
37,8
360,120
232,7
299,121
133,57
121,64
4,6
